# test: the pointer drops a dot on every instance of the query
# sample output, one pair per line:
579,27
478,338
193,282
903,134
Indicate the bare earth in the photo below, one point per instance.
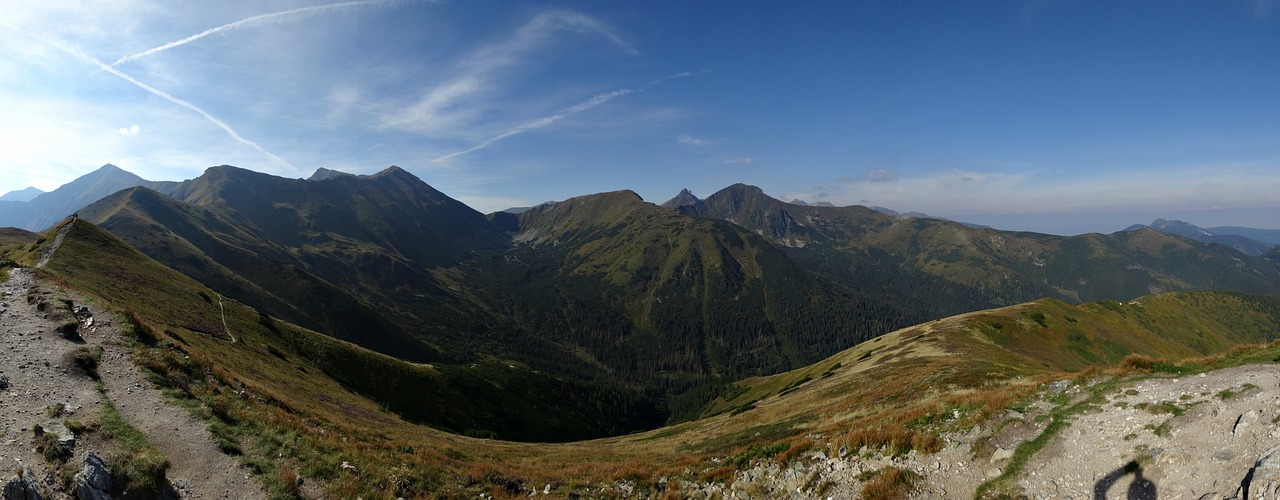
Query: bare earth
31,356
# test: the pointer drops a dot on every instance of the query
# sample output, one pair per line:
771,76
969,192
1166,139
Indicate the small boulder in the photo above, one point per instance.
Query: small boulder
1059,386
59,431
1001,454
4,382
94,481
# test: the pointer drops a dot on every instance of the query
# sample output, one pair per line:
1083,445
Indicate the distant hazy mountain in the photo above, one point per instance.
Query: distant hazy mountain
1269,237
685,198
27,194
920,215
1231,237
520,210
803,203
48,208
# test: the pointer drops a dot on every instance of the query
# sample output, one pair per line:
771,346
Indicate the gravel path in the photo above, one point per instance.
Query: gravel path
31,357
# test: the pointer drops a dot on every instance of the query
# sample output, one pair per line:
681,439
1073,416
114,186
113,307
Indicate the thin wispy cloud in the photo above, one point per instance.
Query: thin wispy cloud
129,131
881,175
154,91
275,17
466,91
685,74
1261,8
690,140
740,160
537,124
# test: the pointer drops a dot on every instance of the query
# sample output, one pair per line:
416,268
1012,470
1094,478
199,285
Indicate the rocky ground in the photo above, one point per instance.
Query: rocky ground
37,375
1209,436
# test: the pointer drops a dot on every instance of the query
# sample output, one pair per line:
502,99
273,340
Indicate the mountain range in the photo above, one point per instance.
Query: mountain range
373,321
662,306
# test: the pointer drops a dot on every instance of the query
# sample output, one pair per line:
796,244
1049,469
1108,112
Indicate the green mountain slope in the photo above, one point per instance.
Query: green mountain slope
661,298
217,247
976,268
488,398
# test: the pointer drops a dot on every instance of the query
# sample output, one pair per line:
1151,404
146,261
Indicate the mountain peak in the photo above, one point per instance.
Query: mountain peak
684,199
392,170
325,174
27,194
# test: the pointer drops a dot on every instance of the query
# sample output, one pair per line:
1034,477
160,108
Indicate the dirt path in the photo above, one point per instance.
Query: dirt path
57,242
31,357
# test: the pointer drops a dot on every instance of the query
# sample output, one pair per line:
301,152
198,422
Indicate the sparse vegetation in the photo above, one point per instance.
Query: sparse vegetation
139,466
85,360
888,484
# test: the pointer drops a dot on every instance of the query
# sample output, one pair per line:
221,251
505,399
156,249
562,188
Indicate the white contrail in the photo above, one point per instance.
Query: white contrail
157,92
577,108
250,21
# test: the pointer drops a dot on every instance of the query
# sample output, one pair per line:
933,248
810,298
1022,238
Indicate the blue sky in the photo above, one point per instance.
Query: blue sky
1051,115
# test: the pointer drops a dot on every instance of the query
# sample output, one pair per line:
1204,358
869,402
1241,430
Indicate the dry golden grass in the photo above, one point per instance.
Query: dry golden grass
889,484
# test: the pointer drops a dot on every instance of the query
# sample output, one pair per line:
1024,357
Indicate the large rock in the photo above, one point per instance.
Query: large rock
22,487
1264,480
94,481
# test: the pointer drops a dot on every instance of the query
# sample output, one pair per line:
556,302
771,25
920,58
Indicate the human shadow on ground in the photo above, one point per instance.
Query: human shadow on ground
1140,489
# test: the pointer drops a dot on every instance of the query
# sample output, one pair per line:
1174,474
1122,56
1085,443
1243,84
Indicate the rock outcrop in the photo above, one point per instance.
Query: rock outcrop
22,487
94,481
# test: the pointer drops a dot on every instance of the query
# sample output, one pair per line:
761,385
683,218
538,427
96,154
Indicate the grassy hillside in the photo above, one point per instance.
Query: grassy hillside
292,403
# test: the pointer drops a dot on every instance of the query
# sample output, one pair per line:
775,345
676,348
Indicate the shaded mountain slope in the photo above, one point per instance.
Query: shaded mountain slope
294,364
214,247
662,297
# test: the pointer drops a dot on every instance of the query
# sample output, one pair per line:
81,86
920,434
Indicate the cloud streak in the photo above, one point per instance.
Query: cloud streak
451,103
537,124
154,91
275,17
684,74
